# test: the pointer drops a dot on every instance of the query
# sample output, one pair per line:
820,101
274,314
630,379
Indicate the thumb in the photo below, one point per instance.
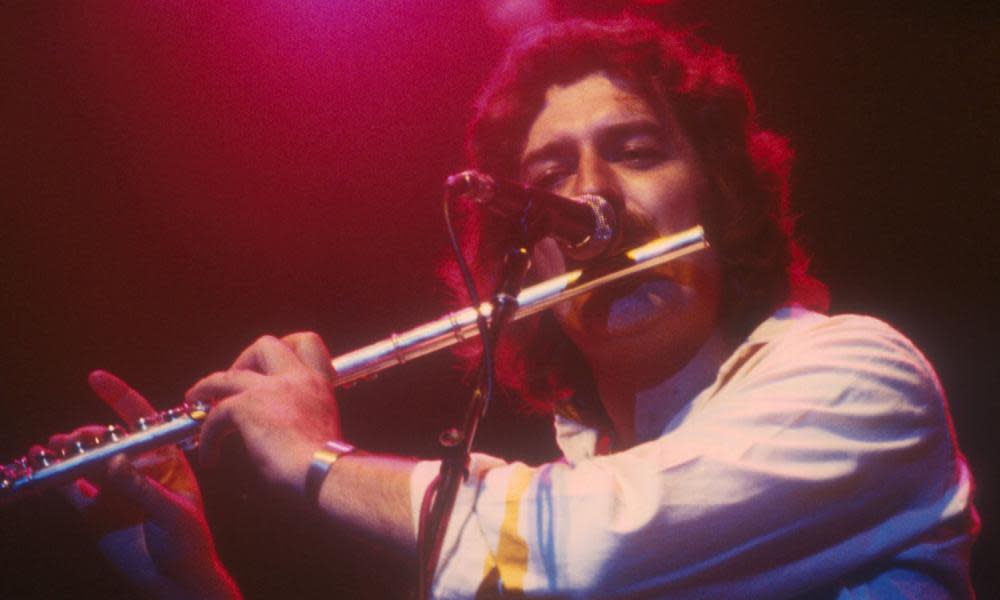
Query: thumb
81,494
163,507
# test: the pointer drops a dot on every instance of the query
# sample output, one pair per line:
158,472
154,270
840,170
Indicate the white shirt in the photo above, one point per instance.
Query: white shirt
821,461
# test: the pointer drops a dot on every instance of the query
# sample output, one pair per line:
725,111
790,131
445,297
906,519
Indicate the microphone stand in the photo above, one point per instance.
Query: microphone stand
439,500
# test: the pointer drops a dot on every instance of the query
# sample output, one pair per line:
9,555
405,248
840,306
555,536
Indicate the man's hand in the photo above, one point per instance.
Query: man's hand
147,514
278,396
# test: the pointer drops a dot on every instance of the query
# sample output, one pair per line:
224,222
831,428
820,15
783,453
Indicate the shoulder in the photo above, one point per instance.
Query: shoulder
843,343
796,325
849,392
843,360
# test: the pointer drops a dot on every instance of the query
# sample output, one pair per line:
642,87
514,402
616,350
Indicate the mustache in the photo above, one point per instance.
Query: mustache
636,229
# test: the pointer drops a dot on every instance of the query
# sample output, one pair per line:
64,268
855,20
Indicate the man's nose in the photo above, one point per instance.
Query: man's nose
596,176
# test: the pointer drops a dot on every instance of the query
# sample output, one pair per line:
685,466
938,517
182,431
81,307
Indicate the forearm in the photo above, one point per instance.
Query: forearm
218,585
371,494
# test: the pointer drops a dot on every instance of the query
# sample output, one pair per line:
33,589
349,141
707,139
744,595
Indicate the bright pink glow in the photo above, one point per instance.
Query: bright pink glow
510,16
248,124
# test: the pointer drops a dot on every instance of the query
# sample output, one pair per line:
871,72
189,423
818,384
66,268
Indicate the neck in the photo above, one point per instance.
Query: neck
643,394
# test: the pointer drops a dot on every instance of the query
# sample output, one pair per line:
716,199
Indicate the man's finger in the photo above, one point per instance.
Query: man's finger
268,355
217,426
57,442
127,403
86,436
222,384
311,350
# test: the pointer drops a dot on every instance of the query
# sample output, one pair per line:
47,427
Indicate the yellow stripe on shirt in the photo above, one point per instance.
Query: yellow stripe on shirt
511,559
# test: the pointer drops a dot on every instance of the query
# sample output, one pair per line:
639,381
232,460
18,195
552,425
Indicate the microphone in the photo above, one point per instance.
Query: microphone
585,226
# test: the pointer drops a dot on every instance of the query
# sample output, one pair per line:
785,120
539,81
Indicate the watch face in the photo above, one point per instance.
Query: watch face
337,447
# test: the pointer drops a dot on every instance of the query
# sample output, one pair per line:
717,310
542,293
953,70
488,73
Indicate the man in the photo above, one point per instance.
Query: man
720,438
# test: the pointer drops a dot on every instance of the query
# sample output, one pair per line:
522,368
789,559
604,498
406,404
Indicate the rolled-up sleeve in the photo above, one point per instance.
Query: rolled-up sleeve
826,452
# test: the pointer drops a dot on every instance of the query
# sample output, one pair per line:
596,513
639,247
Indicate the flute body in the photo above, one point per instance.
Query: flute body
461,325
41,471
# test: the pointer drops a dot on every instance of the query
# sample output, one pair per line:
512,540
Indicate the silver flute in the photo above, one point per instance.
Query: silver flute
44,469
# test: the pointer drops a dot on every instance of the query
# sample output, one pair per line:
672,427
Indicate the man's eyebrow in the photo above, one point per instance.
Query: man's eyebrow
639,126
644,126
547,151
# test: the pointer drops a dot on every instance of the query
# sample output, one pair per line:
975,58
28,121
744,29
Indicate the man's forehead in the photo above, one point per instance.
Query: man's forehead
589,98
584,107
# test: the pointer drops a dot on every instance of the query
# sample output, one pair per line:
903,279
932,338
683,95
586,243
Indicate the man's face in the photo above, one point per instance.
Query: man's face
594,136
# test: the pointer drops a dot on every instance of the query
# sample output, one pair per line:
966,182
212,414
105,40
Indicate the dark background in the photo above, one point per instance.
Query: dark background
178,178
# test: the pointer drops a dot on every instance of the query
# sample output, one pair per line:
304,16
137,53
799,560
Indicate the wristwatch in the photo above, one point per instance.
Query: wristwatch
319,467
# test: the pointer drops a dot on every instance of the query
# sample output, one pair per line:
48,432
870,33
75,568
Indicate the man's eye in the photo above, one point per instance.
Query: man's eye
641,155
548,178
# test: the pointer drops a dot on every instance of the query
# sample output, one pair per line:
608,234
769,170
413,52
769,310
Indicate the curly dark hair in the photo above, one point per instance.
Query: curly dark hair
746,216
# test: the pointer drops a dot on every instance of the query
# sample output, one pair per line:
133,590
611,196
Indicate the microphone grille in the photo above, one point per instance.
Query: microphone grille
602,237
476,186
604,216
